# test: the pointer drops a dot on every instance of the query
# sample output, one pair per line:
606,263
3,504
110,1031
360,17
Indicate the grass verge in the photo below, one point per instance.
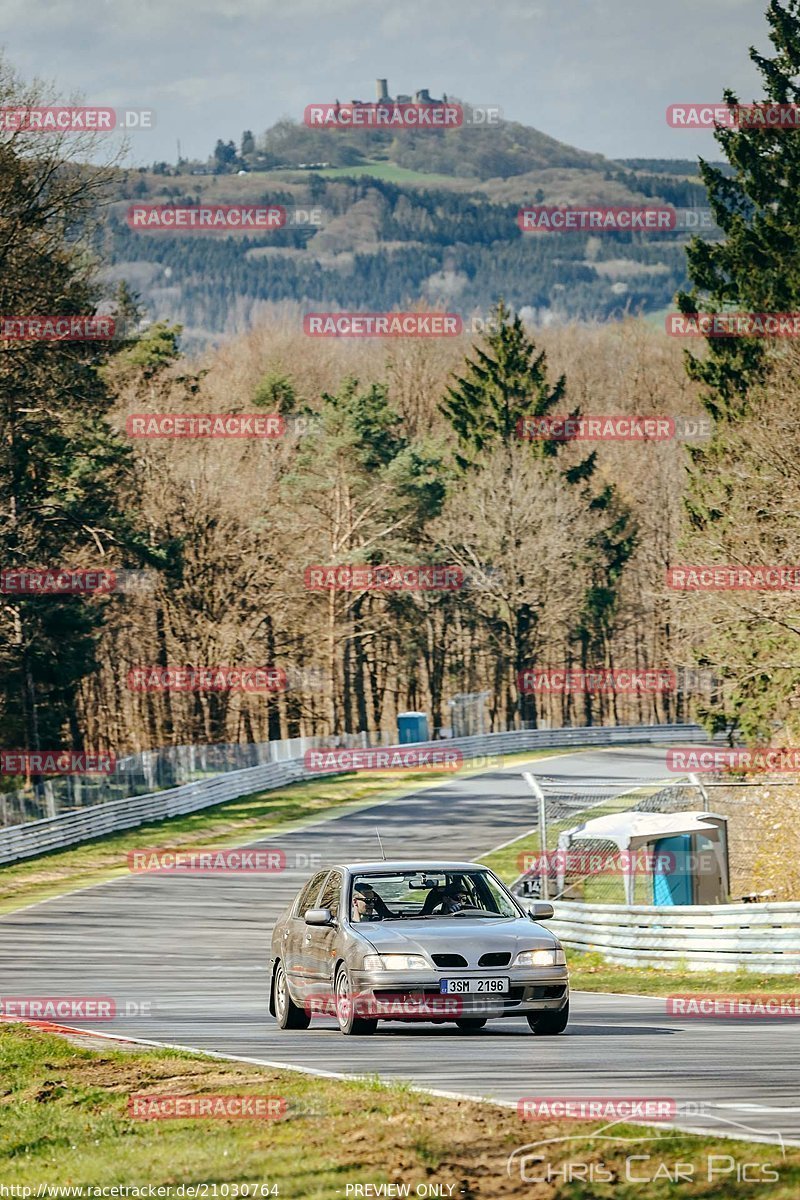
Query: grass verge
65,1120
591,973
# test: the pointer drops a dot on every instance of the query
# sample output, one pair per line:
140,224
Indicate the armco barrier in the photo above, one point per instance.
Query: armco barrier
68,829
726,937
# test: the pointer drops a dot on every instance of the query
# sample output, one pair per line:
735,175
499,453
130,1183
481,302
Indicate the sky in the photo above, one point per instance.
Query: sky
597,74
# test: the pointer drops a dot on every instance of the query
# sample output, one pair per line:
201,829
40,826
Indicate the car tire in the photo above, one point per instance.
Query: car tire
287,1013
470,1024
548,1024
349,1023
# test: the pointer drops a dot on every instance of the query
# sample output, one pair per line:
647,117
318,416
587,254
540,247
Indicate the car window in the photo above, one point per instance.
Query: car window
428,893
309,894
331,893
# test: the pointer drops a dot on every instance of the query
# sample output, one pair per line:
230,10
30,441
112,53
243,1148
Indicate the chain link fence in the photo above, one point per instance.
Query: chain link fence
760,842
151,771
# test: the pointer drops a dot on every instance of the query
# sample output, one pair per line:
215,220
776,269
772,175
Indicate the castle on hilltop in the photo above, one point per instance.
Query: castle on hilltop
382,96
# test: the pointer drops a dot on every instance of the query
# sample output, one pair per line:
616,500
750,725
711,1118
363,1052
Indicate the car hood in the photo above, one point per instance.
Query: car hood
471,938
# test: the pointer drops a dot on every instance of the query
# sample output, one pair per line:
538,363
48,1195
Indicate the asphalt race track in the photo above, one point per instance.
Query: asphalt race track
191,952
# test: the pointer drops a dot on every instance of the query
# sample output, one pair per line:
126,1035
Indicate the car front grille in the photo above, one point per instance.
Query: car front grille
494,960
449,960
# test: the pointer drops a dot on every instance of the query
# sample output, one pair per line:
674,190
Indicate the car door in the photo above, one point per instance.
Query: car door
294,950
320,940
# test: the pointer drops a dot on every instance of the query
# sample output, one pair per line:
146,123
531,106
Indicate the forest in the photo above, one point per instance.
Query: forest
400,454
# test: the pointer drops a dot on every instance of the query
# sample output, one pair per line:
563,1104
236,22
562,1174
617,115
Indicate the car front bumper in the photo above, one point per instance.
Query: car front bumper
406,995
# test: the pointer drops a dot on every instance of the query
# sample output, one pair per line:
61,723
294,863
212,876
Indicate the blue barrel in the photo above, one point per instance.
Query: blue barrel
412,727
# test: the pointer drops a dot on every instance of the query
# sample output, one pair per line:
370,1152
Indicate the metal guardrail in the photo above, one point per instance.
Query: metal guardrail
148,771
70,828
762,937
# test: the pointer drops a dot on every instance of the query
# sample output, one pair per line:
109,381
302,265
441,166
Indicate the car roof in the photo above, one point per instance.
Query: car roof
414,864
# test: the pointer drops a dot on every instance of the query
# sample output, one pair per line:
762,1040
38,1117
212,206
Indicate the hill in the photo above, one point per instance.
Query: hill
412,218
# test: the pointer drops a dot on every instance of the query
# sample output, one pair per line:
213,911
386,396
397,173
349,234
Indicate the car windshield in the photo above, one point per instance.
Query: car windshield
434,894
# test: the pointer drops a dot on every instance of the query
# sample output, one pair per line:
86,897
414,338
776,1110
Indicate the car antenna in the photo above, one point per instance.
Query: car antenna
380,843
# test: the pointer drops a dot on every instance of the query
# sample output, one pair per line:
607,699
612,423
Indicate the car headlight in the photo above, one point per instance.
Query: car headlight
394,962
541,958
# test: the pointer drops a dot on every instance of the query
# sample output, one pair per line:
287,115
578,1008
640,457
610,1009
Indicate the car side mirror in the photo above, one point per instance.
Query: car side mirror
318,916
540,910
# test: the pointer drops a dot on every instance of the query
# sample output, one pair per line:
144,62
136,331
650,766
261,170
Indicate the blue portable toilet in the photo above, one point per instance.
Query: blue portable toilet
412,727
673,875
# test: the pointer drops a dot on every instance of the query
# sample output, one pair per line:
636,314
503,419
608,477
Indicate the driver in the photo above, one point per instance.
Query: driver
367,904
455,898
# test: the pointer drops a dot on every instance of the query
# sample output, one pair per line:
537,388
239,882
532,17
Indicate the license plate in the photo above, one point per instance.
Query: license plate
486,986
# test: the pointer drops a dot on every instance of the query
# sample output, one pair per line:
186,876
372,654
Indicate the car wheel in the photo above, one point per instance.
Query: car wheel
470,1024
349,1023
287,1013
548,1024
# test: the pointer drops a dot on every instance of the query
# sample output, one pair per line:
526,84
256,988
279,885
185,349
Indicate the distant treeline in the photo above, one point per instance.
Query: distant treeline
436,246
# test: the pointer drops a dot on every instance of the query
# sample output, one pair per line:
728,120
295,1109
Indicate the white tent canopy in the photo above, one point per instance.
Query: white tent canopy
632,830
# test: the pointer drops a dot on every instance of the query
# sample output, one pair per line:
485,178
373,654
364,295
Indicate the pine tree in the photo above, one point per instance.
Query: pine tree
63,471
506,382
756,268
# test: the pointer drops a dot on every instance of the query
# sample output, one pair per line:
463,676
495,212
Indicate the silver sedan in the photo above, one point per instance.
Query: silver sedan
435,941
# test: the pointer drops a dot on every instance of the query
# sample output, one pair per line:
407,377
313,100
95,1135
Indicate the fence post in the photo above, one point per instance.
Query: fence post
695,781
544,868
